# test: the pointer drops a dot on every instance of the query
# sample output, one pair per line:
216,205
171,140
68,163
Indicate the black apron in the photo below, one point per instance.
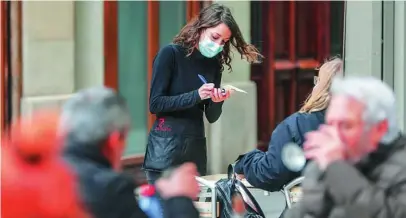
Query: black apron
174,141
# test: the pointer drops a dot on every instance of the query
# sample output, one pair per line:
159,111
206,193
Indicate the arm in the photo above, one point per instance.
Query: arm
122,199
122,196
350,188
213,110
265,170
159,101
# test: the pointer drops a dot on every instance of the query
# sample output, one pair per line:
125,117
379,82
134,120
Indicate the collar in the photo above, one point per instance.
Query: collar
372,160
197,55
91,152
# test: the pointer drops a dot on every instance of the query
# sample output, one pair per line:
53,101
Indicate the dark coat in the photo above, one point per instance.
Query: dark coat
373,188
108,194
265,170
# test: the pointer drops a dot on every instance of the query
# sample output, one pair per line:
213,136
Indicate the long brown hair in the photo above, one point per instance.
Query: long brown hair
212,16
320,98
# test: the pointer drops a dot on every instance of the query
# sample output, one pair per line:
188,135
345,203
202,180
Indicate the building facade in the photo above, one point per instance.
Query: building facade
50,50
375,45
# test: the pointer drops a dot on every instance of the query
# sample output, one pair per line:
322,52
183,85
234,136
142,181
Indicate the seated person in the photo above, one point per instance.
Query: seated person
96,122
358,166
265,170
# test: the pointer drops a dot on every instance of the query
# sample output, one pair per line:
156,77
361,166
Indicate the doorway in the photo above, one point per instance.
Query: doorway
295,37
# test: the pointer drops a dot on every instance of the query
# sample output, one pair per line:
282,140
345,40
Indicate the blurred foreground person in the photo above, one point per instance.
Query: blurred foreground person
359,156
265,170
35,182
97,122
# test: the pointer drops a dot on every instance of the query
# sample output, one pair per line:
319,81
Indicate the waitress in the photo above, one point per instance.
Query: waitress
185,85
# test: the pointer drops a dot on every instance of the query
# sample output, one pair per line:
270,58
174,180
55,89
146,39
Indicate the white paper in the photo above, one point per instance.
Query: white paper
234,88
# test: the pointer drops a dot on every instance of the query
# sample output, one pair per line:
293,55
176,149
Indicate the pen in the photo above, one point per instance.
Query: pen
204,81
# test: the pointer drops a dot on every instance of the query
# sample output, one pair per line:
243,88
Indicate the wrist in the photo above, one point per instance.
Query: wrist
197,96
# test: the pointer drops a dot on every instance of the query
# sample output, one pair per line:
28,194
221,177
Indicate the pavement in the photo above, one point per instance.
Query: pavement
272,205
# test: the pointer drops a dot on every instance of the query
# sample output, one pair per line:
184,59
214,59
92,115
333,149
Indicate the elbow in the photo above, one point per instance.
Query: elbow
212,119
154,106
152,110
213,116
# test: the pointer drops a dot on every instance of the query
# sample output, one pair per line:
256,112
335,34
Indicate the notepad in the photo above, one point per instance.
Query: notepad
231,87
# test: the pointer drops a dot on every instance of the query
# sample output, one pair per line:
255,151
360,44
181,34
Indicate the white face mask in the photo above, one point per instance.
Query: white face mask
208,48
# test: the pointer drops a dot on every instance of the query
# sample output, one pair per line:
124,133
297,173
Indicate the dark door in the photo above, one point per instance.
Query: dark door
295,37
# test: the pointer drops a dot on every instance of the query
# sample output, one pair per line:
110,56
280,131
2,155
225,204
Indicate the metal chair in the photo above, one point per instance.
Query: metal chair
287,190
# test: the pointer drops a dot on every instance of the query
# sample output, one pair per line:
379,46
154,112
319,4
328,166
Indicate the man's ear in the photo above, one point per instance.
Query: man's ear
381,129
114,139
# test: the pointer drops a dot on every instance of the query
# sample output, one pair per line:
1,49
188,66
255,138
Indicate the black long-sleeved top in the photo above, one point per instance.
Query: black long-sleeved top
175,84
178,135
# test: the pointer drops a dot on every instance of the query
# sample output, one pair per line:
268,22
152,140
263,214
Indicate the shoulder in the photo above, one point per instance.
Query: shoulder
105,184
317,116
170,52
288,124
115,183
395,163
104,191
305,120
167,50
172,49
299,124
397,159
291,121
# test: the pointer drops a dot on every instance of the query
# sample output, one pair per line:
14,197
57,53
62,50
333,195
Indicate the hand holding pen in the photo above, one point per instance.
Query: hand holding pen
207,90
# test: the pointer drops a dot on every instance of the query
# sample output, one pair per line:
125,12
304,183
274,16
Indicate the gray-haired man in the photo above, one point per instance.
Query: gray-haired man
359,156
96,123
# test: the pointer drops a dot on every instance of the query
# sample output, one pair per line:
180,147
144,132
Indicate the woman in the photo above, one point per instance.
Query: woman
185,84
265,170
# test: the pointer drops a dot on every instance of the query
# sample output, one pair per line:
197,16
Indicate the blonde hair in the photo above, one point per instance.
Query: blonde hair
320,98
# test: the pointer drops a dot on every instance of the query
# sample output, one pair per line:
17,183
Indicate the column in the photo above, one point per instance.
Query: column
363,35
375,45
48,54
89,47
236,130
133,70
400,60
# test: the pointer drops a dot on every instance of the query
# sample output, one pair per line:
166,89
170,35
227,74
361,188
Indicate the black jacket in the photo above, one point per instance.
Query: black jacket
265,170
373,188
108,194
